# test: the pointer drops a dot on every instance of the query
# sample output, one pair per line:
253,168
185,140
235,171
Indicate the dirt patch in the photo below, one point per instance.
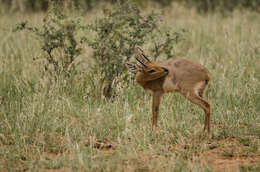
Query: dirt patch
233,164
230,155
2,169
221,162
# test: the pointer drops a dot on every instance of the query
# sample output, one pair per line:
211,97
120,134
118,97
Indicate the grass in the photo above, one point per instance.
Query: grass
46,127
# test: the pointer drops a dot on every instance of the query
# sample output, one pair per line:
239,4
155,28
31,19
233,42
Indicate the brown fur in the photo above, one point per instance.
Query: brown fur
183,76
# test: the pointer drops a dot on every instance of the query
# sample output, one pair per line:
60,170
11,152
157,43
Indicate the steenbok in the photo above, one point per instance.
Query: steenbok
174,75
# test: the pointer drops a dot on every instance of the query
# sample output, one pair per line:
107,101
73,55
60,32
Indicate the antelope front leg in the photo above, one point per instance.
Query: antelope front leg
155,108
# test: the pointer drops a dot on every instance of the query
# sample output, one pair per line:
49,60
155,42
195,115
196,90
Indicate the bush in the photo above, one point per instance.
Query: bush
58,42
117,34
115,37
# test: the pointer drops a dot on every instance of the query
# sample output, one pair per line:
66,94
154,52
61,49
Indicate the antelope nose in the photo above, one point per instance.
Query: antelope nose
165,70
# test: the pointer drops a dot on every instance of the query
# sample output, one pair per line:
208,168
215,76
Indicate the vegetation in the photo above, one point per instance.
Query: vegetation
206,6
117,34
61,126
58,42
200,5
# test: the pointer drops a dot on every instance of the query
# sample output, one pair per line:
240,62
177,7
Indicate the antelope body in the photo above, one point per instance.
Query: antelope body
183,76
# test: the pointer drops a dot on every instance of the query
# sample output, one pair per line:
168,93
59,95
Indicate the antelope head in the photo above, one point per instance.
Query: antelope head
146,70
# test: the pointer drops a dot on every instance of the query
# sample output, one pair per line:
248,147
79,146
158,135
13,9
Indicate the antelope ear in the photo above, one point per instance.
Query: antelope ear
132,67
141,56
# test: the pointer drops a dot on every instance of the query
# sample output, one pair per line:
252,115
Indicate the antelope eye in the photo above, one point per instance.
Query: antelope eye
151,71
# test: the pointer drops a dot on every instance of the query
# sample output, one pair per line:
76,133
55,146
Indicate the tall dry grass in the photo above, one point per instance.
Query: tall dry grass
44,126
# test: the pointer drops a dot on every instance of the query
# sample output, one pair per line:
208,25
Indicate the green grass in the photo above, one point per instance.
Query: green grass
44,126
